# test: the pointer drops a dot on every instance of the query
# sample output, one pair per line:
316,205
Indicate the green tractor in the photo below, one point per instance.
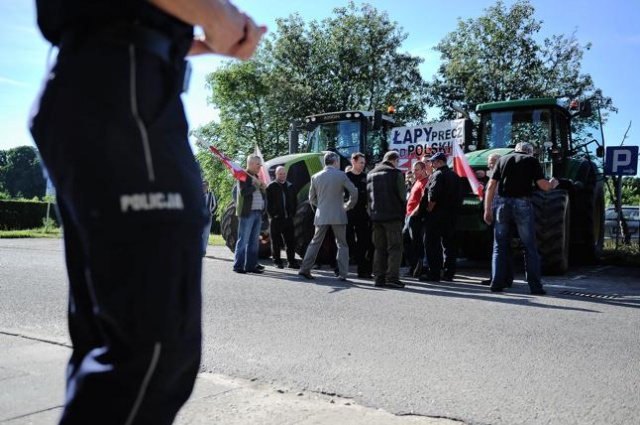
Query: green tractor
569,219
343,132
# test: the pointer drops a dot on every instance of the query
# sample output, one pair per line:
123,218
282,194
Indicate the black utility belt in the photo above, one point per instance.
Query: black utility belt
128,33
124,33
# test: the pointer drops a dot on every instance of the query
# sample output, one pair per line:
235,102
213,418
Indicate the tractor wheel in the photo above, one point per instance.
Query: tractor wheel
552,215
304,230
229,226
477,246
229,229
587,223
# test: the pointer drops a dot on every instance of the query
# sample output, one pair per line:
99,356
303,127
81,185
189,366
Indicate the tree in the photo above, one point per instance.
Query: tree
21,172
496,57
348,61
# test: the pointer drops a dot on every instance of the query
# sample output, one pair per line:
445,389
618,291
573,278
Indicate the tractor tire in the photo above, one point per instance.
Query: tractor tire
229,226
476,246
229,229
587,221
304,230
553,229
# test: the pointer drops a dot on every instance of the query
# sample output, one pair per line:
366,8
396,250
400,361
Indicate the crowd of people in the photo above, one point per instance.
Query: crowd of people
385,217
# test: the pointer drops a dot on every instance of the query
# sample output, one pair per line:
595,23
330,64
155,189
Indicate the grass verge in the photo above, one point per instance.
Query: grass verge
216,240
41,232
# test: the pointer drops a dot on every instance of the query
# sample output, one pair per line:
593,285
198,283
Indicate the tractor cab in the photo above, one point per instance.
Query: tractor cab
569,220
545,123
347,132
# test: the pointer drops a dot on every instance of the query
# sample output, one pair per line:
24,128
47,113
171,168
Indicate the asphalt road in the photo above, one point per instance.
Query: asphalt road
449,350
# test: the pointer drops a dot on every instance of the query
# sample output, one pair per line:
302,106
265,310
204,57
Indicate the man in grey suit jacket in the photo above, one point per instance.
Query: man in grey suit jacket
326,194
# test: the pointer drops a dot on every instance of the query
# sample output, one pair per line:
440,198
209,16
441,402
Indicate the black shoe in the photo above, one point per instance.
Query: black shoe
279,264
508,285
485,282
448,277
256,271
417,271
259,267
365,275
538,292
496,289
241,271
395,284
342,278
306,275
380,282
293,265
428,278
336,272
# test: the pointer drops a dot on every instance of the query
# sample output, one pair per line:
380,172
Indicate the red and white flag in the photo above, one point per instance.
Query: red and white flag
263,174
238,172
462,168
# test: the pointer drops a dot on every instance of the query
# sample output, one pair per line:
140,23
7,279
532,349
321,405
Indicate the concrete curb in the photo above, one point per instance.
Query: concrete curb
32,393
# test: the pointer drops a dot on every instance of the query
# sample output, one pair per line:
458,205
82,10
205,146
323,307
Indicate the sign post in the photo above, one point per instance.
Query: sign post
621,161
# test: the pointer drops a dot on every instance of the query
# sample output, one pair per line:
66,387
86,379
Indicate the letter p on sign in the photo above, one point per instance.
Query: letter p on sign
621,161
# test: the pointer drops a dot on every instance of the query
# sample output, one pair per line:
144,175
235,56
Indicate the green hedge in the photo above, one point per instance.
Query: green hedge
17,215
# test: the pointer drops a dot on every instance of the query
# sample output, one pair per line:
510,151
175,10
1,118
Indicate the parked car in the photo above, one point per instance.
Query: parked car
611,226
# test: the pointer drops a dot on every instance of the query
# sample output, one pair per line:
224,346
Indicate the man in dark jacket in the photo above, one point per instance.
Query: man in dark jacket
440,206
387,195
281,206
359,225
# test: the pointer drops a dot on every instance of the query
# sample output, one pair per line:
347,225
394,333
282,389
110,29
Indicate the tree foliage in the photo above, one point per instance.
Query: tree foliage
630,194
497,57
21,174
350,60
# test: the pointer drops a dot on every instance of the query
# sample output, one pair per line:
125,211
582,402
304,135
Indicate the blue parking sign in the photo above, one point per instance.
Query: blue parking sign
621,161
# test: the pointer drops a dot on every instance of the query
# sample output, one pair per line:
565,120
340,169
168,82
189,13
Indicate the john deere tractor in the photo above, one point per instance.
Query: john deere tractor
343,132
569,219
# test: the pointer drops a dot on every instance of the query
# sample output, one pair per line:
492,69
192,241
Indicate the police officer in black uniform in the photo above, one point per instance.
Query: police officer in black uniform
110,116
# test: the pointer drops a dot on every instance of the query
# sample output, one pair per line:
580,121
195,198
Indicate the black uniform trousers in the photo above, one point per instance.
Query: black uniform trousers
281,230
112,134
440,243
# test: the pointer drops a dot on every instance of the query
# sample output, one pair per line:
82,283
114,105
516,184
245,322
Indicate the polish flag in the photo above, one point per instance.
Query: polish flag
263,174
462,168
238,172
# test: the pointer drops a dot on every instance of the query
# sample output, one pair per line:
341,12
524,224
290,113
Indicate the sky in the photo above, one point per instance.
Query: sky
613,28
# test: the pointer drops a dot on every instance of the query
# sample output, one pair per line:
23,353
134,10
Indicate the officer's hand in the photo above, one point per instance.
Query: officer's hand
488,217
231,33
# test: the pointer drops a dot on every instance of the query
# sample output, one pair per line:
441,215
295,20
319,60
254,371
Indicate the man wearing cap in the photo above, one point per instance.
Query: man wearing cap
514,177
440,205
387,196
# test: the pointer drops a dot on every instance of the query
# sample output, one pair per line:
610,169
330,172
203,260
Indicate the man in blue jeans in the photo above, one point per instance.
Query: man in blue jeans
250,206
514,178
110,116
